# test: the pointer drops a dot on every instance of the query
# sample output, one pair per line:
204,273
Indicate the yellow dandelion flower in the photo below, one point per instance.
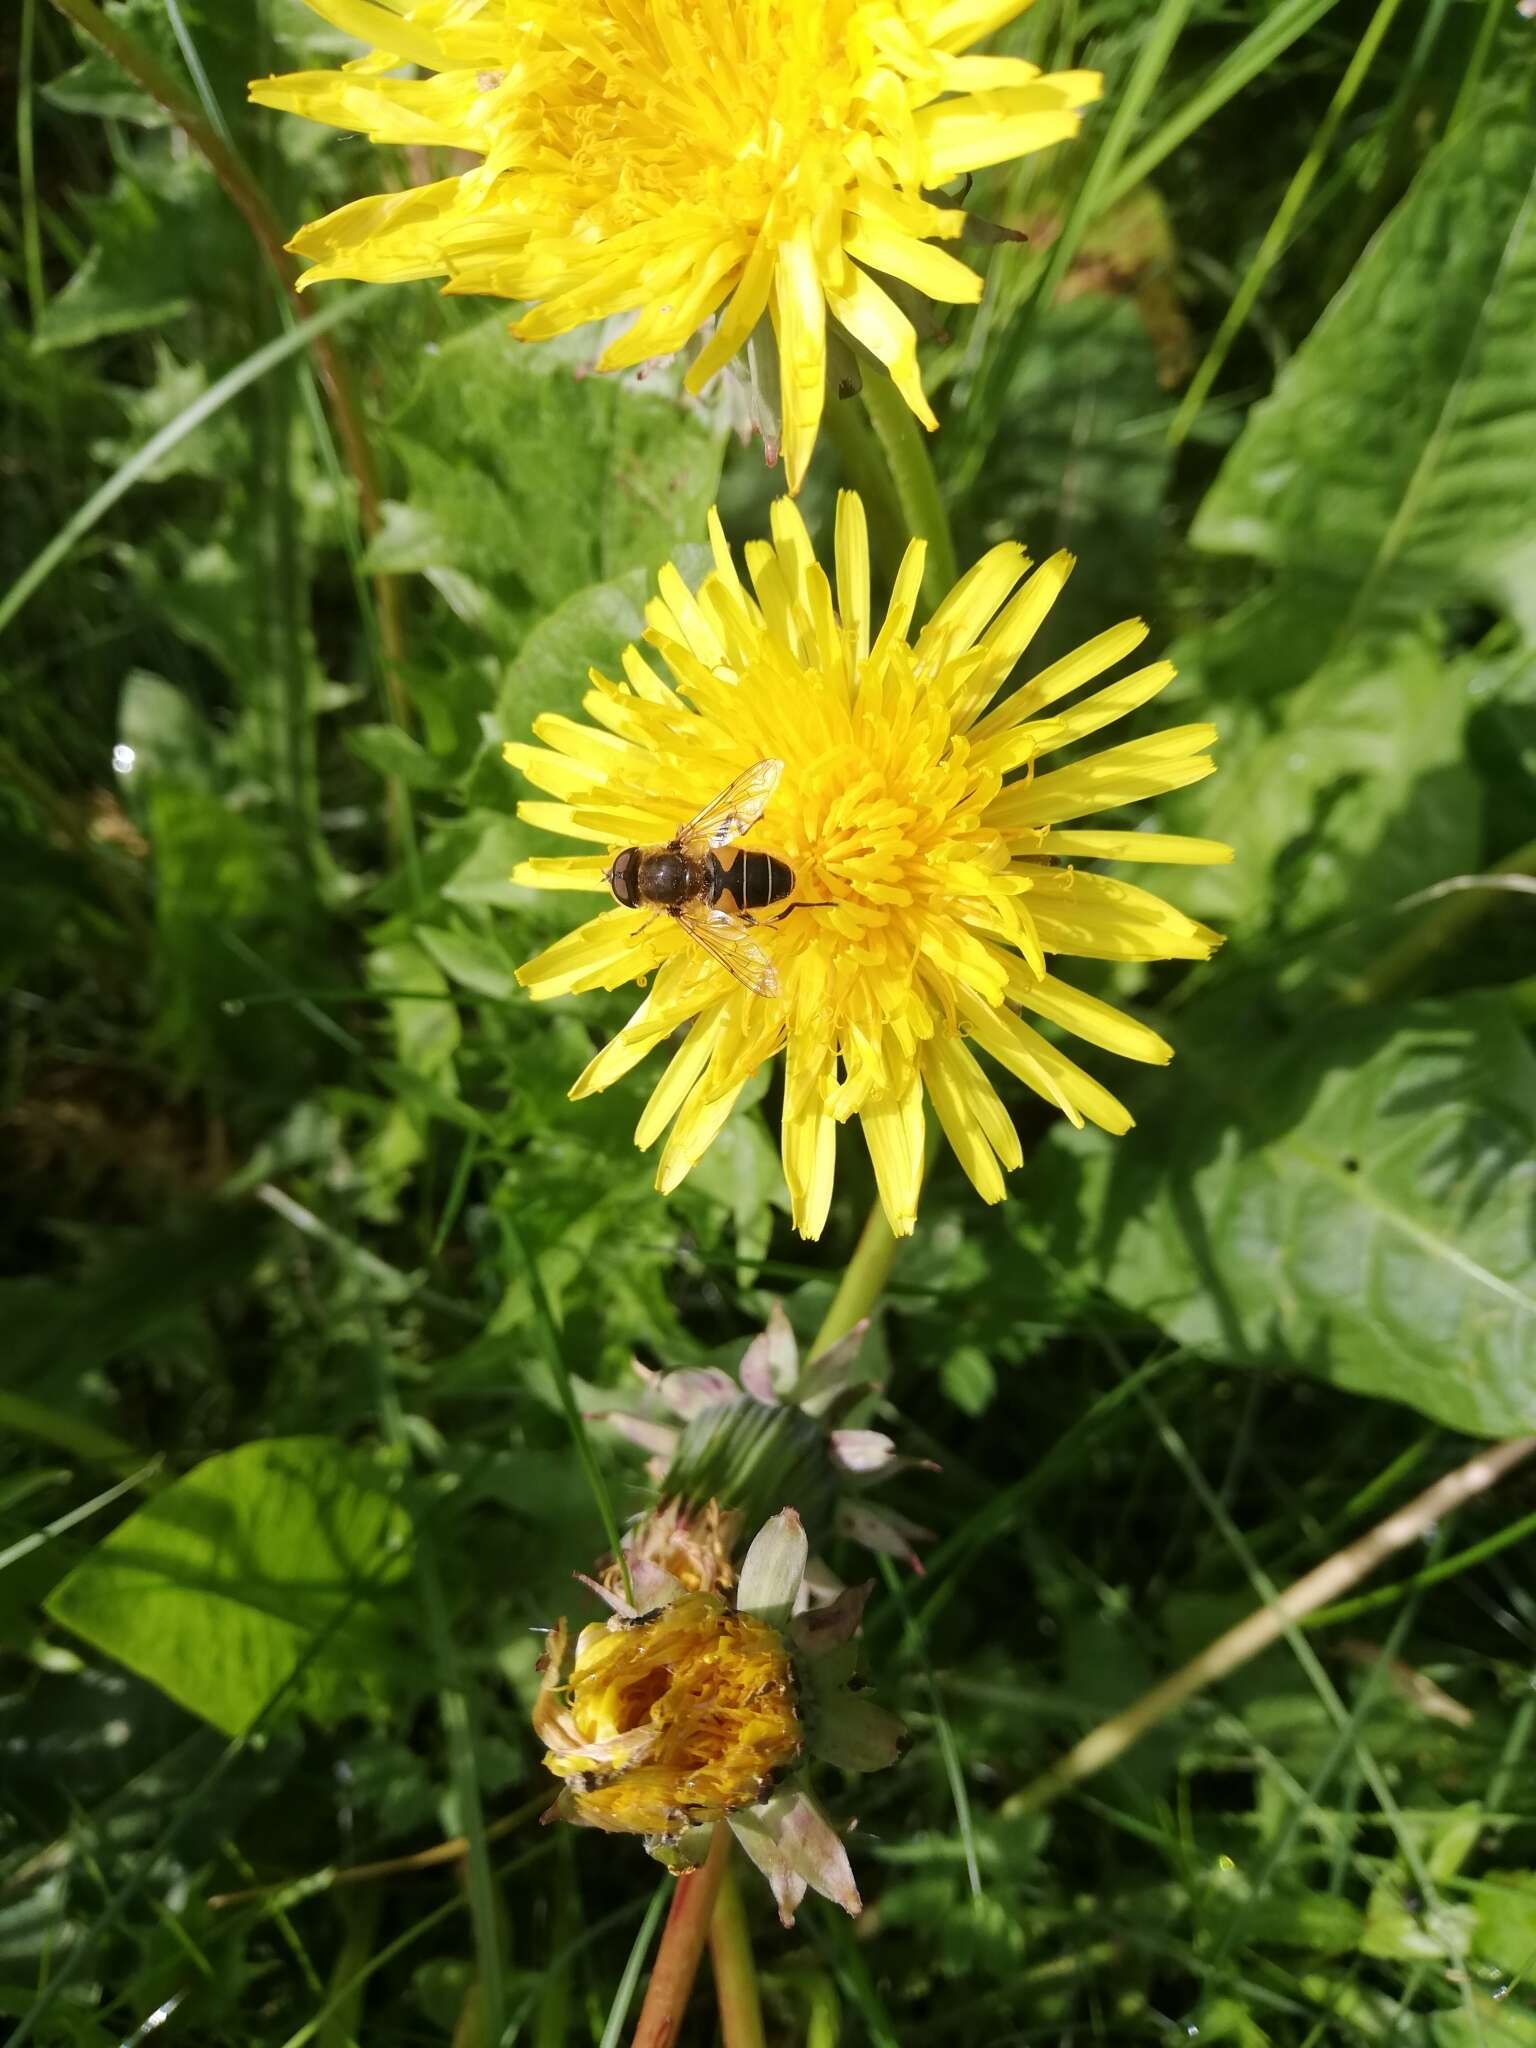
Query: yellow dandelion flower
689,1709
678,159
931,839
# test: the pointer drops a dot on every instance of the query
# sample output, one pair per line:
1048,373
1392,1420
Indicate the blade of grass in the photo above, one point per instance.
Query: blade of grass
554,1356
949,1749
1087,202
457,1720
1278,1617
26,164
39,1537
152,1861
1260,48
624,1996
1278,233
139,464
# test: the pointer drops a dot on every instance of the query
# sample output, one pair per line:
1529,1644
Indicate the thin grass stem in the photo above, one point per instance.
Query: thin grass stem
1278,234
1267,1624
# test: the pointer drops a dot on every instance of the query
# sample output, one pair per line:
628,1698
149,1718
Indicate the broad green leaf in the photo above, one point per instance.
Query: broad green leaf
426,1024
475,963
264,1568
1353,1202
1357,794
534,478
1397,450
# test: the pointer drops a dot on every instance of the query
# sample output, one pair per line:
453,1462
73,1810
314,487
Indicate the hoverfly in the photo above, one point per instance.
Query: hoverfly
687,879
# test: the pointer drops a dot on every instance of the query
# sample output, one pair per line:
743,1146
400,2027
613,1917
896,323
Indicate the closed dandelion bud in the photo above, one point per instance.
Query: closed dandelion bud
725,1449
751,1456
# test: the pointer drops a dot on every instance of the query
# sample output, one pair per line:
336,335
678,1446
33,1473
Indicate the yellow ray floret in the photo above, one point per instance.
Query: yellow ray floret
932,879
683,159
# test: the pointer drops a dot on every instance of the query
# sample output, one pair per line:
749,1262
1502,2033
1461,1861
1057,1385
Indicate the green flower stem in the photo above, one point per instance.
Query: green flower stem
917,488
863,1281
730,1956
682,1944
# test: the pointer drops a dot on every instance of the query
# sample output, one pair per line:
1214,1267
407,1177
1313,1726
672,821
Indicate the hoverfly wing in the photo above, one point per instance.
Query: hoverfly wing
731,941
735,811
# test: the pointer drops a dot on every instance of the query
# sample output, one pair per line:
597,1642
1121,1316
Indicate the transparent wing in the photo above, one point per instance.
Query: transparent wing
734,811
731,941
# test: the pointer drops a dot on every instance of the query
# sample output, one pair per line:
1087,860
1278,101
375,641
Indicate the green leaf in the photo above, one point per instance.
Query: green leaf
160,234
1397,449
1353,1202
589,630
262,1566
393,753
426,1031
474,963
1356,796
533,478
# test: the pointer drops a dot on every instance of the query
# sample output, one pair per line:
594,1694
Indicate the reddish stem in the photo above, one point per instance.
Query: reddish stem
682,1945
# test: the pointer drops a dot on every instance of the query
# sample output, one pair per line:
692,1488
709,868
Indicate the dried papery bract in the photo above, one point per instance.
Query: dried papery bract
751,166
933,833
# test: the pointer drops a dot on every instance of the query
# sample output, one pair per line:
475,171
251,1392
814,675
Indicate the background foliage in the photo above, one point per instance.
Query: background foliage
285,1487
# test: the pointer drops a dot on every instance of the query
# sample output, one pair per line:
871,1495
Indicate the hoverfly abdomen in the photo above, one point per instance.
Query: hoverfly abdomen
753,880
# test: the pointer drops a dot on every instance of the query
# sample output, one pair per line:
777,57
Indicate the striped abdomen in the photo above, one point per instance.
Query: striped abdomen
752,880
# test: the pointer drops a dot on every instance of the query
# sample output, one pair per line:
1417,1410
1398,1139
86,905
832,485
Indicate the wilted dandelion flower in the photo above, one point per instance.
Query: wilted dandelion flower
686,1709
931,838
673,159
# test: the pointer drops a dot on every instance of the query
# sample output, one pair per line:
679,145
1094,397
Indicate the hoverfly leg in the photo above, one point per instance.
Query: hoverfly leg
789,907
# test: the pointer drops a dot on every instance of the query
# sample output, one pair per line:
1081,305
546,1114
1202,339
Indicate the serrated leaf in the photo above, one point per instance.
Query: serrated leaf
1397,450
1353,1202
262,1568
426,1030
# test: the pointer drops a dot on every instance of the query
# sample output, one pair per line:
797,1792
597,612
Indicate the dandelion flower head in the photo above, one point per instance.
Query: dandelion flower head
678,159
933,841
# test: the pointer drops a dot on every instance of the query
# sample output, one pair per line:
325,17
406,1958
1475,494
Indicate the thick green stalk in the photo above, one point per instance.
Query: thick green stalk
730,1956
917,488
863,1281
